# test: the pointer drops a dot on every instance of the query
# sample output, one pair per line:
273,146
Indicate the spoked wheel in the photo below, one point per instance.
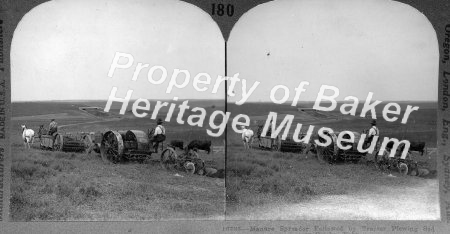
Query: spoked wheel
112,147
325,154
382,161
46,142
276,144
88,144
168,159
403,168
199,166
189,167
58,143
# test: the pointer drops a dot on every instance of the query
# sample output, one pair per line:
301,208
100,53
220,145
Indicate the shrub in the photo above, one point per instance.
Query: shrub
304,190
24,169
18,200
44,163
90,192
275,185
232,197
275,166
64,190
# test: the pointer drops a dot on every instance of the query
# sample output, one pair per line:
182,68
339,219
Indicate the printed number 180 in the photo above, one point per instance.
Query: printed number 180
220,9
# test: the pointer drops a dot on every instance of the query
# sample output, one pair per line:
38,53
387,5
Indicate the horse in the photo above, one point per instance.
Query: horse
27,136
247,137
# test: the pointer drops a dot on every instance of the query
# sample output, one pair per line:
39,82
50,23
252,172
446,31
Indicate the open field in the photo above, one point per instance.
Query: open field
259,185
50,185
281,185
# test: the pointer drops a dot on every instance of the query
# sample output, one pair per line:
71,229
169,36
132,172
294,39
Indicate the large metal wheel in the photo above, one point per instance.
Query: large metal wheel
111,148
88,144
403,168
189,167
58,143
382,161
168,158
325,154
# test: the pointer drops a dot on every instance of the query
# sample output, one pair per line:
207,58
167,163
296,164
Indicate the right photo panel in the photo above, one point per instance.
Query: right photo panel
334,108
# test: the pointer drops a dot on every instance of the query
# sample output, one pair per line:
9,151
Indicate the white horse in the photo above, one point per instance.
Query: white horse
27,136
247,137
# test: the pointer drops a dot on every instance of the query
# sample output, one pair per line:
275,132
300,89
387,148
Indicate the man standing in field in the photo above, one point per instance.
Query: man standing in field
373,131
159,135
53,128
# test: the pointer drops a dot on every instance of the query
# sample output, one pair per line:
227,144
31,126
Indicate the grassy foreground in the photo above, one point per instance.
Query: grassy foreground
257,178
71,186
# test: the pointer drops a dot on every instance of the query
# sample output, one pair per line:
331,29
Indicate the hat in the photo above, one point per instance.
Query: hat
52,120
159,121
374,122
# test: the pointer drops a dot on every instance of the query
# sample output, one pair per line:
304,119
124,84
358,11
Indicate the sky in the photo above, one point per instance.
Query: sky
384,47
63,50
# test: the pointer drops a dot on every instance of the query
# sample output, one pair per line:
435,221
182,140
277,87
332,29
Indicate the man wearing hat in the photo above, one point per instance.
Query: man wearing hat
159,135
53,129
373,131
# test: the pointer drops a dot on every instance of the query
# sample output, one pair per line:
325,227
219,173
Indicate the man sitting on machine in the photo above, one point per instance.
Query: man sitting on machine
159,135
53,129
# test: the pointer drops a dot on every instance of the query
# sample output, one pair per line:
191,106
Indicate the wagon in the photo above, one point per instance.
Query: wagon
332,153
62,142
268,143
277,144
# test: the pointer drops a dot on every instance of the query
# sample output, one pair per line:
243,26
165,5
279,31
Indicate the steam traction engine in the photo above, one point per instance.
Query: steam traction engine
332,153
135,145
127,145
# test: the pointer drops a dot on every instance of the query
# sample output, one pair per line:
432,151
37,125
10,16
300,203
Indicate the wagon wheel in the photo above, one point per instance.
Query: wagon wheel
88,144
403,168
306,150
201,171
112,147
276,144
382,161
324,154
41,143
199,166
189,167
168,158
58,143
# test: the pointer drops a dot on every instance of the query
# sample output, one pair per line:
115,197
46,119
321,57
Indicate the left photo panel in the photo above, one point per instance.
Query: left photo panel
117,112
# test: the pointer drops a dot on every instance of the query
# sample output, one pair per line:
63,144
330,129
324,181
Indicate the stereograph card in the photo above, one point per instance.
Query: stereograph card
170,116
